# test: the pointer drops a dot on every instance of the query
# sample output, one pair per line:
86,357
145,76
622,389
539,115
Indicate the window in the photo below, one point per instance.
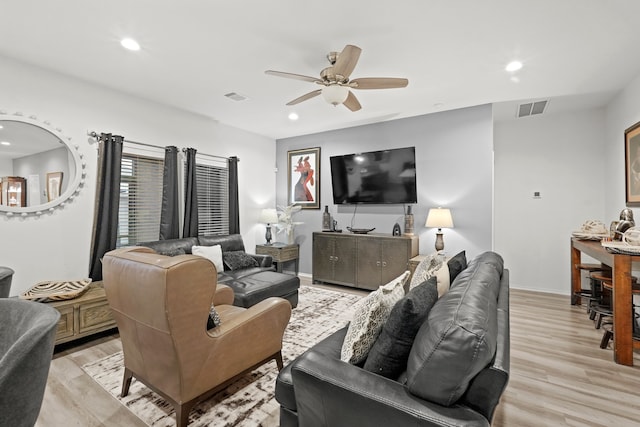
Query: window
212,181
140,199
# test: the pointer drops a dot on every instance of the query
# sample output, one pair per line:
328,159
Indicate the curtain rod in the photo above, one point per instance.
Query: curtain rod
94,134
209,155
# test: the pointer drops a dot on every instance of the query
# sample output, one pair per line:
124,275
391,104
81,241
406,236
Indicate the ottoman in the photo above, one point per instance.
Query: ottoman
252,289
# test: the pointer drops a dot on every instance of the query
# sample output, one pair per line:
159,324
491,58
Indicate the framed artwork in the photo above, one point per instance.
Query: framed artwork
632,164
54,185
304,178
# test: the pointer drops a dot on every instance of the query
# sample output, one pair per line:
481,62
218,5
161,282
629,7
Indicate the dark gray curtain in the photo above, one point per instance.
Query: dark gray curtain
234,209
169,214
105,222
190,227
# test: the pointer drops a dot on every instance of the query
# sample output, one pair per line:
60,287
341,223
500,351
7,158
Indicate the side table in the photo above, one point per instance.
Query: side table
281,253
85,315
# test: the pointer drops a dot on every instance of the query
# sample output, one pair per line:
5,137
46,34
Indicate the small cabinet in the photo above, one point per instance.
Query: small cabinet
14,191
334,258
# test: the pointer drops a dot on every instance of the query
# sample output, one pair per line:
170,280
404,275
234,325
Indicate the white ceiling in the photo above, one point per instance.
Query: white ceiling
575,52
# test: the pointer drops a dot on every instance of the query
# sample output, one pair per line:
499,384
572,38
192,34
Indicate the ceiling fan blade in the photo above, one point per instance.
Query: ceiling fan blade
292,76
378,83
352,102
347,60
305,97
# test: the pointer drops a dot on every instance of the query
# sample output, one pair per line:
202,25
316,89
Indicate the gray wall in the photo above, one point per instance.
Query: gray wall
454,167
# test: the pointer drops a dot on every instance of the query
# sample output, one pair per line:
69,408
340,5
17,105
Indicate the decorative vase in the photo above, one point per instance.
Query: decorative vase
408,222
326,219
291,239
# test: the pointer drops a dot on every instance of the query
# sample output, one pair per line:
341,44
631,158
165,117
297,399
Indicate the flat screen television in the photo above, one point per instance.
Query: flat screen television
375,177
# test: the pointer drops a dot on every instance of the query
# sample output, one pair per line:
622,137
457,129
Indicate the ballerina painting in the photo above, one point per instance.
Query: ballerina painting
303,178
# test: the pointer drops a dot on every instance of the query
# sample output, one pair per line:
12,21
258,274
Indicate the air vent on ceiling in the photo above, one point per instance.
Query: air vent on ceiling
532,108
236,96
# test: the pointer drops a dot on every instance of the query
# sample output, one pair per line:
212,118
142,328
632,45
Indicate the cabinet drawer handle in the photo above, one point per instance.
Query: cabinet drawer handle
378,263
384,263
335,258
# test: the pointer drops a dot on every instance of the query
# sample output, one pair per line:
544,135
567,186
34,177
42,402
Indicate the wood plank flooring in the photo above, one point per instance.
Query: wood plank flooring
559,375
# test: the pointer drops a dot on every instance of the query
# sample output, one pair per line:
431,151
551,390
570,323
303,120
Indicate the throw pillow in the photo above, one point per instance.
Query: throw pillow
426,268
371,312
214,318
212,253
443,278
389,354
173,252
456,265
236,260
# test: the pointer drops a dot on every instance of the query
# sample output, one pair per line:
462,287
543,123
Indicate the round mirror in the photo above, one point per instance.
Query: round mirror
39,169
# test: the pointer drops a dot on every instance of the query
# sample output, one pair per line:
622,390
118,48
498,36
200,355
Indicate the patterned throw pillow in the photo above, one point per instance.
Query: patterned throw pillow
214,318
236,260
371,312
433,265
173,252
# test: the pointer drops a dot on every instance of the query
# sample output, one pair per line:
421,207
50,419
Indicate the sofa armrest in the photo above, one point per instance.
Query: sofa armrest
263,260
333,393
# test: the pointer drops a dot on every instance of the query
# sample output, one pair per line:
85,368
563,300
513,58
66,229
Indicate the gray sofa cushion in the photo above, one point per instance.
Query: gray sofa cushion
459,338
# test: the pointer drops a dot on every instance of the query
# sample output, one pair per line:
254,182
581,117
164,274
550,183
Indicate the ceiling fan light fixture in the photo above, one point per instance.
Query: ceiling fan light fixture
335,94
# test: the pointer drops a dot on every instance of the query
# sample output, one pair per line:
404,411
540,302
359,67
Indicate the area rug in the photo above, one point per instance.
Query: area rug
249,401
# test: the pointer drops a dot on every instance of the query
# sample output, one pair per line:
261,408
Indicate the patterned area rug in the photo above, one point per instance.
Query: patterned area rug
249,401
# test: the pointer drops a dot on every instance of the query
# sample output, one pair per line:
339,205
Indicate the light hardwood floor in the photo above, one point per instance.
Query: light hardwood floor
559,375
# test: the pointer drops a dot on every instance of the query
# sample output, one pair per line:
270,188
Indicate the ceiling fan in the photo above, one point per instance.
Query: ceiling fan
335,80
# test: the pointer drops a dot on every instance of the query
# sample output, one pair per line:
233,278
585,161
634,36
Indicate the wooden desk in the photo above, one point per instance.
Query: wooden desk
621,265
281,253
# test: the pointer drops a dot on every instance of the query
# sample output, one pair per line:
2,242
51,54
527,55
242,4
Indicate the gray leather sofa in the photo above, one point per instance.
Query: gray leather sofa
250,285
456,372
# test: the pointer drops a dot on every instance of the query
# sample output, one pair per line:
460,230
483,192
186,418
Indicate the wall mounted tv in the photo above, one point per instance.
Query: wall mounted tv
375,177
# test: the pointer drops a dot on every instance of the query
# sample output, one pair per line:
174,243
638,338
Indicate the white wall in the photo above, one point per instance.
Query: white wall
621,113
562,156
57,245
453,167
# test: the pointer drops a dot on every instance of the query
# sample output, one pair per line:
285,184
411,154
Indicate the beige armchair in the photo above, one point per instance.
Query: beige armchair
161,305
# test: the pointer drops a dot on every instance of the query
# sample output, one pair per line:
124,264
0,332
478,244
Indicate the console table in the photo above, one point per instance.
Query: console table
83,316
621,265
281,253
364,261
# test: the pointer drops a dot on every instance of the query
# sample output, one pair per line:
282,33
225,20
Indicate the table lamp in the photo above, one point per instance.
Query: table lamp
268,216
439,218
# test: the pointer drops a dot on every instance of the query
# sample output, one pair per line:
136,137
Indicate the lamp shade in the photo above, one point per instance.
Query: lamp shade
268,216
439,218
335,94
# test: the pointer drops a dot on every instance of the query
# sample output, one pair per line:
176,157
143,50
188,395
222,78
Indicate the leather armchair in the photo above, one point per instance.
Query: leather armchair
161,305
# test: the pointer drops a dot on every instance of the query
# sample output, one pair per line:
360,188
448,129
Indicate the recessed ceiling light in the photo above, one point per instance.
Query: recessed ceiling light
1,127
5,143
130,44
513,66
293,116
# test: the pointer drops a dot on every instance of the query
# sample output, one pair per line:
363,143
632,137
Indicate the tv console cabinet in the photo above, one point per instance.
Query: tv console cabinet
364,261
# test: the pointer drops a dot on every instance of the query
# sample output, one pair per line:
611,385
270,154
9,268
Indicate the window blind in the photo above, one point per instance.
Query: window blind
140,199
212,181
